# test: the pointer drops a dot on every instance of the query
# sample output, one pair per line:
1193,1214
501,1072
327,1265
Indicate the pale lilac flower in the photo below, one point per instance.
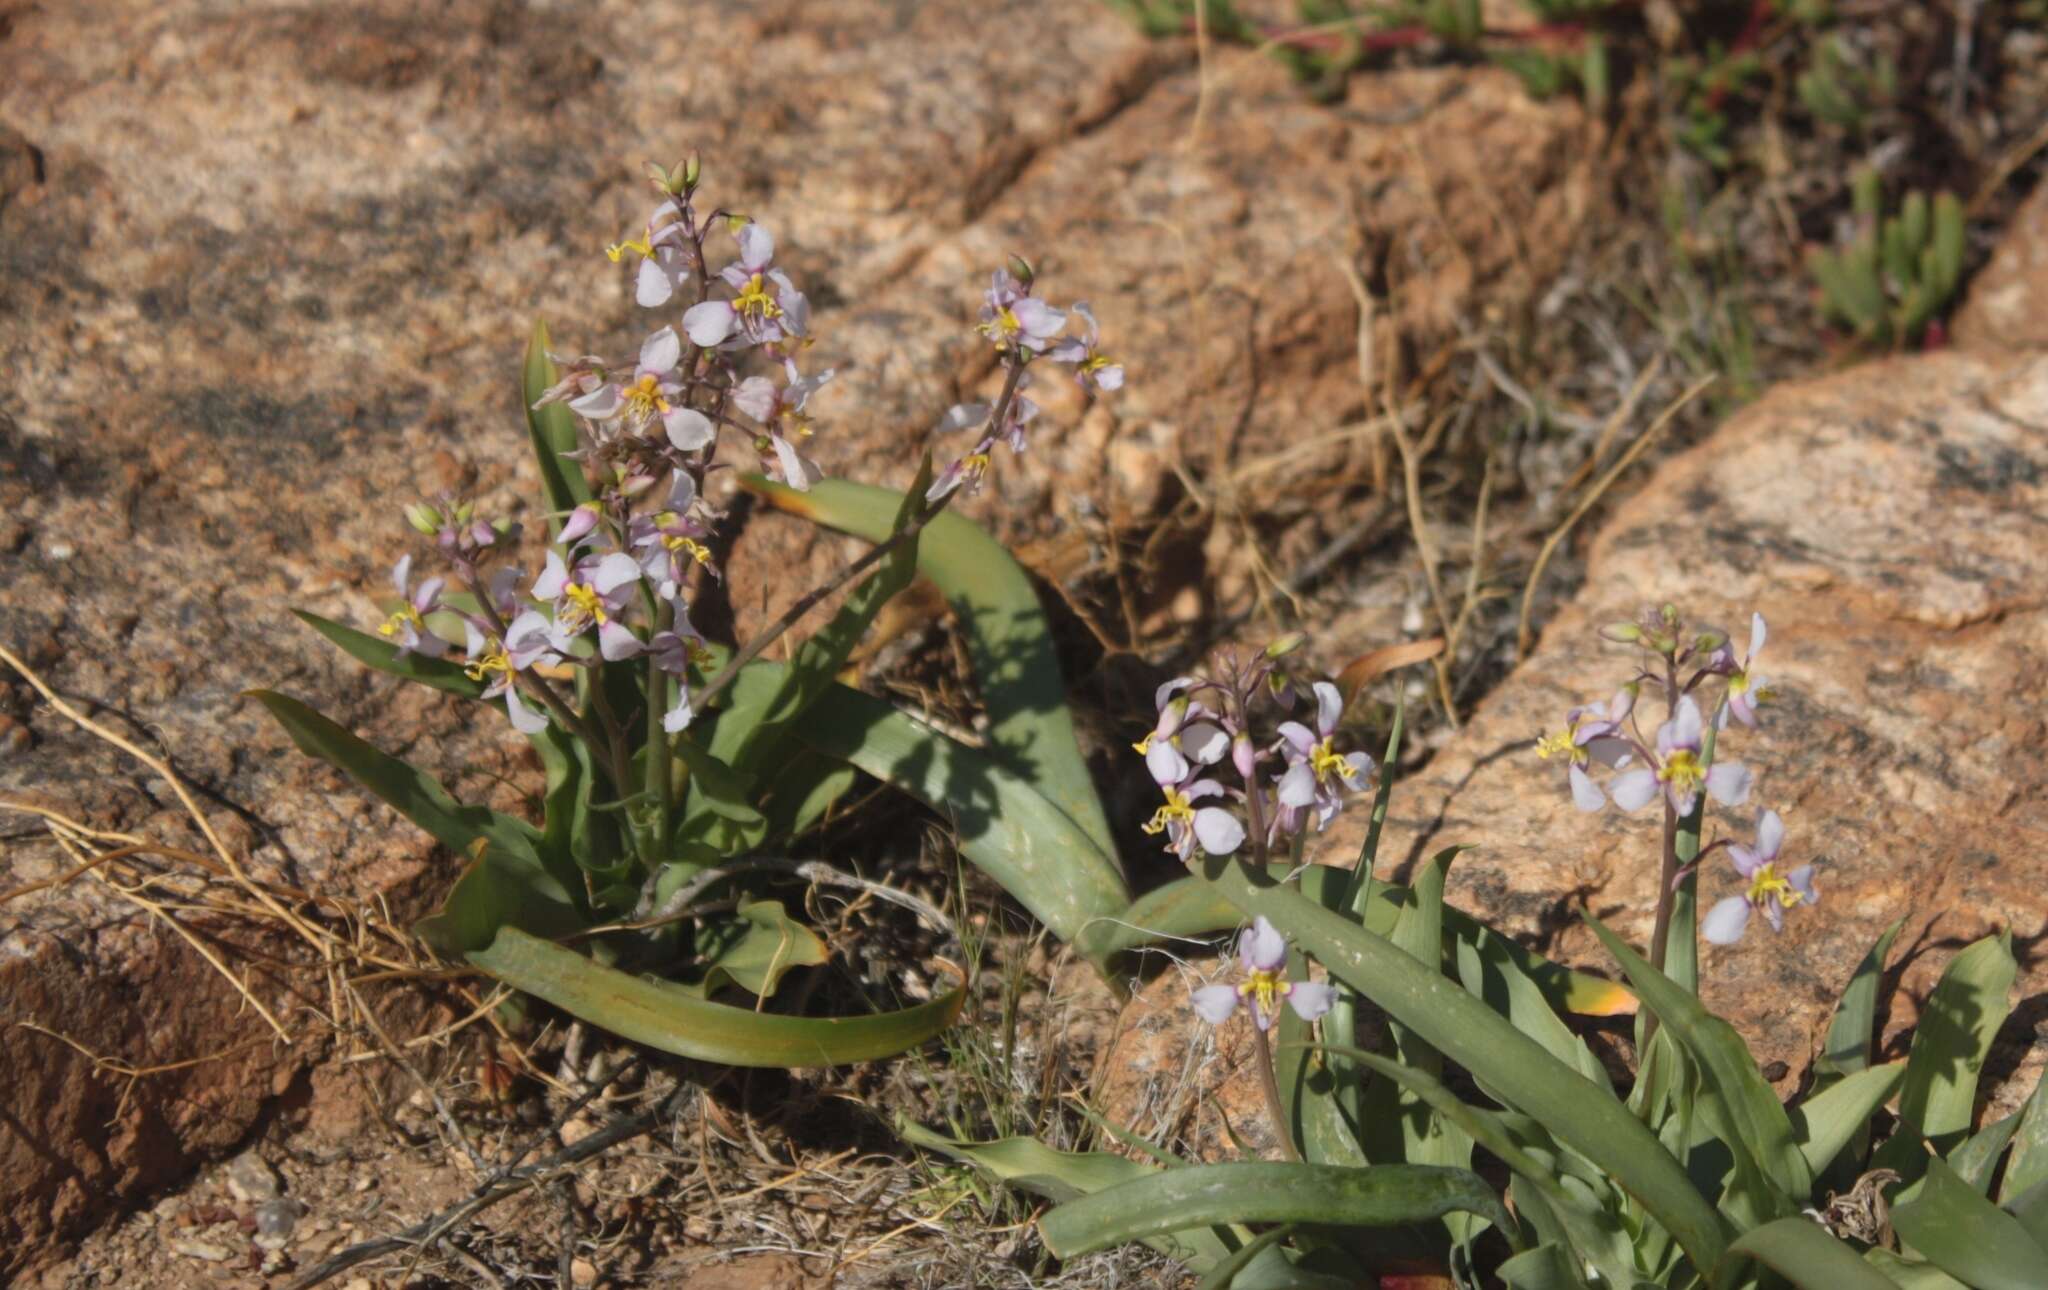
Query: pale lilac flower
1094,369
1013,318
580,523
766,306
674,650
665,256
653,393
592,593
407,626
780,410
490,660
672,540
1747,689
1213,829
1317,774
1262,952
969,470
1679,769
1769,891
1589,736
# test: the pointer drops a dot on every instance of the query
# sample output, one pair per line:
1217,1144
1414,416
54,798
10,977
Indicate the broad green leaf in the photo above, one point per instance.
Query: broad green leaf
1224,1275
501,887
1194,907
1967,1236
1950,1043
1491,972
1258,1192
1977,1159
1911,1274
1849,1035
1008,638
2029,1163
753,949
2030,1207
552,430
439,673
1468,1032
1006,827
1805,1252
801,790
752,733
1826,1122
663,1017
1547,1267
1758,1123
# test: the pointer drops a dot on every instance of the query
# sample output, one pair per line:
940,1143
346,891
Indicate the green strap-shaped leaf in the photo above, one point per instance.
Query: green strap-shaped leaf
2030,1207
1976,1160
1911,1274
1760,1128
1804,1251
666,1018
1468,1032
1008,637
552,430
1950,1043
1006,827
1547,1267
1967,1236
2029,1163
1826,1122
438,673
1258,1192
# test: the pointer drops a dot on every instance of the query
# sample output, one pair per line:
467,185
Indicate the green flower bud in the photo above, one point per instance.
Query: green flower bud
691,167
1021,270
1286,645
426,519
1708,642
1622,633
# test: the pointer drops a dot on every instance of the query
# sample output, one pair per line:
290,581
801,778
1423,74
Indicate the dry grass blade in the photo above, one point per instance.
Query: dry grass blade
1523,636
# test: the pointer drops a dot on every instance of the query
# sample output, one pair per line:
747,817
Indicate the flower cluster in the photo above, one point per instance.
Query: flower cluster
1284,778
1023,329
1262,952
1677,764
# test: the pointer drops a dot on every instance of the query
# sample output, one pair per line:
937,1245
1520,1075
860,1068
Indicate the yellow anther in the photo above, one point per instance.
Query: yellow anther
687,546
585,603
1562,744
640,244
408,615
1145,745
754,299
1768,885
1683,771
1265,989
1327,762
495,660
644,398
1177,808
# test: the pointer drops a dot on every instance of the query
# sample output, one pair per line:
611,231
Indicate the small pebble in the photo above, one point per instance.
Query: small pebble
251,1179
583,1272
205,1250
274,1222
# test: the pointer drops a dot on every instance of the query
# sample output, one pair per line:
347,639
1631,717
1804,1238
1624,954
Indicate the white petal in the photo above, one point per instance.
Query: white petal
1166,763
1802,882
708,323
661,351
616,641
1298,736
601,404
1685,724
688,429
1298,785
1204,741
1169,689
1633,790
1261,947
1770,834
757,247
401,573
1729,783
1218,831
1310,999
652,288
524,719
1329,706
1725,922
798,471
554,576
678,717
1586,795
1214,1004
1756,636
1745,859
615,571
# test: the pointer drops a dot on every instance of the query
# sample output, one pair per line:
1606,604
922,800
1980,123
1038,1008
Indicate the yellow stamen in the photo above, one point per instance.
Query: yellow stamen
644,398
1562,744
1768,885
754,299
397,622
1683,771
1327,762
1265,989
688,546
1145,745
495,660
585,603
1096,362
640,244
1177,808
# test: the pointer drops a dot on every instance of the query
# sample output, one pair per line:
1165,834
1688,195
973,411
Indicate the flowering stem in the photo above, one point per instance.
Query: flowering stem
752,650
1271,1085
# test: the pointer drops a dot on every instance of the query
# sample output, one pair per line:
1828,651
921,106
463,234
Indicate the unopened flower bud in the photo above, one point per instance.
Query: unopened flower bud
482,533
465,512
1286,645
634,485
1669,613
580,522
692,167
1021,270
1622,633
424,518
1244,755
1708,642
1663,645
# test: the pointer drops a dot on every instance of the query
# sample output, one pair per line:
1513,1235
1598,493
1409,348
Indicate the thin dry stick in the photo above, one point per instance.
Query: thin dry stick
1622,412
1523,636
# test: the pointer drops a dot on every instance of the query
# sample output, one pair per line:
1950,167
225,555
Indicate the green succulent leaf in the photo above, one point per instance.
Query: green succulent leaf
1257,1192
1911,1274
664,1017
1976,1160
1547,1267
552,430
436,673
1847,1049
1828,1121
1967,1236
1805,1252
1950,1043
2028,1166
752,949
1008,638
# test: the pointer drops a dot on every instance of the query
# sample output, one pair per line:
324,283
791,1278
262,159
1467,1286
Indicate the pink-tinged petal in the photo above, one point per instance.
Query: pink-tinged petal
757,247
1774,914
429,595
1166,762
1609,752
756,397
679,714
1681,802
579,524
615,571
1633,790
1219,832
527,721
1214,1004
401,574
1329,706
473,641
1298,737
1109,378
688,429
615,640
1770,834
1037,319
1685,724
1729,783
651,286
1204,742
1357,772
1090,330
660,352
601,404
1202,788
1310,999
1261,947
1725,922
1757,635
1623,703
1169,689
1298,786
709,323
1586,795
1802,882
1745,859
554,576
798,471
